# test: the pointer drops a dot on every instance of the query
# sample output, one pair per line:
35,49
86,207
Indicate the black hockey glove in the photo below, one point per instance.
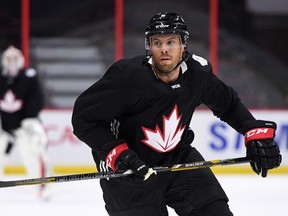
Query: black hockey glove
128,159
123,158
262,149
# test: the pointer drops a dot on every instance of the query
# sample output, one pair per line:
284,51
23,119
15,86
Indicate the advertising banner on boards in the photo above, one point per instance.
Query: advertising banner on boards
213,138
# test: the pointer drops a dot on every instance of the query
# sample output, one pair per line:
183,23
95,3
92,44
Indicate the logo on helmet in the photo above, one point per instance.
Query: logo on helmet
162,26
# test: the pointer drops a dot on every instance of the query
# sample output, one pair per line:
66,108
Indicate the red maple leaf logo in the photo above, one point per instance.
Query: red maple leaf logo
168,139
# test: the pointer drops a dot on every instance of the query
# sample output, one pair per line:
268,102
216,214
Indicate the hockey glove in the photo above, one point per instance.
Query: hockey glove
121,157
262,150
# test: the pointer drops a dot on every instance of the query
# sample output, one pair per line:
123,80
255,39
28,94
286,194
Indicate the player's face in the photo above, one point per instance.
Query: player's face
11,64
166,51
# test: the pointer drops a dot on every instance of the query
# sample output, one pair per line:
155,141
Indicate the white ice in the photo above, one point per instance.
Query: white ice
250,195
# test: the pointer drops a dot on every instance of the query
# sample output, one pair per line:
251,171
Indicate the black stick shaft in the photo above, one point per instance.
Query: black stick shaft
98,175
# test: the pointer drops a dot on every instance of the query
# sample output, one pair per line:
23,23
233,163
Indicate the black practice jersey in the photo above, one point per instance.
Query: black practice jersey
130,104
20,98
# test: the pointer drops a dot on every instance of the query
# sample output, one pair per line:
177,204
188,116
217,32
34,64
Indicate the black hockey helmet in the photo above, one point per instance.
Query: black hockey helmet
166,23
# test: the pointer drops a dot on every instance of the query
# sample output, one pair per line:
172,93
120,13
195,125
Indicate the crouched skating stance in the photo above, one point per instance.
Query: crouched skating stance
138,115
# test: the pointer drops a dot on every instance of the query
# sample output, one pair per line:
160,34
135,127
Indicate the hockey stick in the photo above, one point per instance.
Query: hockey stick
111,174
10,137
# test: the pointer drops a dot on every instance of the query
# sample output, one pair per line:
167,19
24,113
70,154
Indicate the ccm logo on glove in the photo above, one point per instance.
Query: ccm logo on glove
259,134
114,154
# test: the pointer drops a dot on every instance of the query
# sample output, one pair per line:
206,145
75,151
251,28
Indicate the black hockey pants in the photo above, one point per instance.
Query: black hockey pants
189,193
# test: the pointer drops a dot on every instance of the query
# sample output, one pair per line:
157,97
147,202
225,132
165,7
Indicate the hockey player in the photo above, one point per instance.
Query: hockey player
21,101
138,115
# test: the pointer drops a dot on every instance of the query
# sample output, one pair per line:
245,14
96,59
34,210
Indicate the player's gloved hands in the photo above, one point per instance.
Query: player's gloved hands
122,158
130,160
262,150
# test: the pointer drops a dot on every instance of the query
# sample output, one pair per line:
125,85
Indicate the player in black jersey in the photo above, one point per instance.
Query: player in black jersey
138,114
21,101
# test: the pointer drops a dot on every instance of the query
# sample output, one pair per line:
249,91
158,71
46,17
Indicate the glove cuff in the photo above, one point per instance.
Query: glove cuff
259,130
114,154
259,134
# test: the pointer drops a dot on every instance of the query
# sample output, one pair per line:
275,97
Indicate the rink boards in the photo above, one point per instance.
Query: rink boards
213,138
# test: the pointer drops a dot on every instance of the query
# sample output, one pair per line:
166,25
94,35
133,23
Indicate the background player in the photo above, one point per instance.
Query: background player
138,115
21,101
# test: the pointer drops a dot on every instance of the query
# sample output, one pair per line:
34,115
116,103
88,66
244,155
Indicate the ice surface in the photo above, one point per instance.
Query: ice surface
250,195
